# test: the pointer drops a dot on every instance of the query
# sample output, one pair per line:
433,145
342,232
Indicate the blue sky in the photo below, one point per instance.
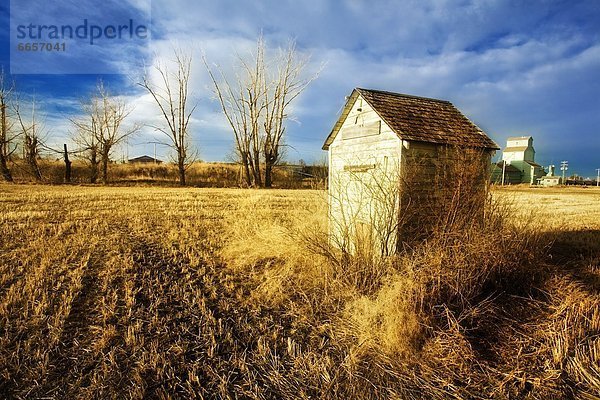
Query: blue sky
513,67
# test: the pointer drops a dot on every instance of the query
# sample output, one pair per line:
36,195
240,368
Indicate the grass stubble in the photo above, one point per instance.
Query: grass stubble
224,293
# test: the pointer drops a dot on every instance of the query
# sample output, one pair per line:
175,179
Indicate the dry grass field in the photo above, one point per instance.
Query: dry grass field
142,292
199,174
560,208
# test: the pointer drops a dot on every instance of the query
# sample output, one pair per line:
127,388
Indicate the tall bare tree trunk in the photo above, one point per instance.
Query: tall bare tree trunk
269,164
93,165
181,168
104,159
256,169
246,166
5,95
4,170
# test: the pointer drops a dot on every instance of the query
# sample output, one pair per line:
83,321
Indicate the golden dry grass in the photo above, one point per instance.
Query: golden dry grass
224,293
199,174
560,207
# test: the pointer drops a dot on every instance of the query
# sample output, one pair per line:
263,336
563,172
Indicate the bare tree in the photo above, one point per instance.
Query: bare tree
171,95
256,101
242,103
32,133
6,137
102,129
284,86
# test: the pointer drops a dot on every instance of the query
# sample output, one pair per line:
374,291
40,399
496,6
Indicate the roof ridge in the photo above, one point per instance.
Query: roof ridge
403,95
519,137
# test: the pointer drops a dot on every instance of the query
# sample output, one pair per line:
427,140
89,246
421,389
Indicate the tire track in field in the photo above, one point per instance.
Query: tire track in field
70,360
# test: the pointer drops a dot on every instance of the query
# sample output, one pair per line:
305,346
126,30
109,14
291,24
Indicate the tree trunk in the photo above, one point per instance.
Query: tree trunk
104,167
31,156
270,160
3,148
181,166
35,168
256,170
4,169
67,165
94,166
246,170
259,180
268,174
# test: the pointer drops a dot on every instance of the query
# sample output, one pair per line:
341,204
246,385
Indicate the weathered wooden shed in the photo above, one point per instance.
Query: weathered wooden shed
389,152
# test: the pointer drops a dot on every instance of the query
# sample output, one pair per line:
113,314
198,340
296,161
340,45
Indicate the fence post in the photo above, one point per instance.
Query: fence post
67,165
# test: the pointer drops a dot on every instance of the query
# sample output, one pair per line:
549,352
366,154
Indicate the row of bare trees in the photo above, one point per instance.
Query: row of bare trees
256,101
98,131
101,126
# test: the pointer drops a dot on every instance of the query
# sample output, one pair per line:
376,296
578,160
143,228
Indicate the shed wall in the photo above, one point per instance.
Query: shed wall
364,161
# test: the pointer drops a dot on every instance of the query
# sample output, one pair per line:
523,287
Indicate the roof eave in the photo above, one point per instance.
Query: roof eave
338,124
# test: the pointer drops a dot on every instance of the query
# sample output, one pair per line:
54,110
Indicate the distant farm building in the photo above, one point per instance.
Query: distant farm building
144,160
390,155
550,179
518,154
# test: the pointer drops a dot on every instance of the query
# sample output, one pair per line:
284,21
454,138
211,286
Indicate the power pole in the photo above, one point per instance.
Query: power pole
503,170
564,166
598,178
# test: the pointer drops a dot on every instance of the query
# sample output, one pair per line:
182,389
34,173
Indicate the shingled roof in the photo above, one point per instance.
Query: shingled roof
419,119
